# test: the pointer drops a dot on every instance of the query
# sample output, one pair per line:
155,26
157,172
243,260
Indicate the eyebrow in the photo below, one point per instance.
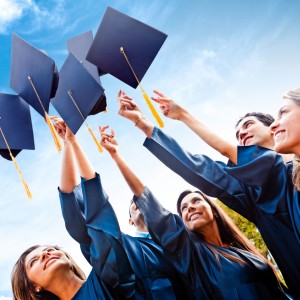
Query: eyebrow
194,198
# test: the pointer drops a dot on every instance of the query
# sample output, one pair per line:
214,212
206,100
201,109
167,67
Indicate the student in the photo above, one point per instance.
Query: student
155,278
263,197
251,129
208,251
47,272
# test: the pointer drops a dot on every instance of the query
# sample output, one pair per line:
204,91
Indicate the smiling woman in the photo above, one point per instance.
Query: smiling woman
38,266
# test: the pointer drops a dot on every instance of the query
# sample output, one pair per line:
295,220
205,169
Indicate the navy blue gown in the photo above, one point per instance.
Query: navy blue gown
208,277
111,276
259,188
155,277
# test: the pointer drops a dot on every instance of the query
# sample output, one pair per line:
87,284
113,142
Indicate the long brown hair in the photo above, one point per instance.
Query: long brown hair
229,232
295,96
24,289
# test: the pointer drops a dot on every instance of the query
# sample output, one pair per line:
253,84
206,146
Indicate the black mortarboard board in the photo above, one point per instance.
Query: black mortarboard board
27,60
86,92
140,42
16,125
79,47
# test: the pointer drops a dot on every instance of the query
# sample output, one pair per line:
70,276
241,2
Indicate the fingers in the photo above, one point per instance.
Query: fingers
122,95
159,94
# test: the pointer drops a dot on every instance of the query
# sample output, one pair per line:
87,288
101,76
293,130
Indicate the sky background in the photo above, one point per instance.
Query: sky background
221,59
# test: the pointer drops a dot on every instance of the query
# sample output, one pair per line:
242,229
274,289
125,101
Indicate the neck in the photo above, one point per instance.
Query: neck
142,228
65,287
211,234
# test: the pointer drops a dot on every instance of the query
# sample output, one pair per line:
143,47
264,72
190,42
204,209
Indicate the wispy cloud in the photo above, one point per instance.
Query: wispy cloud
9,12
39,15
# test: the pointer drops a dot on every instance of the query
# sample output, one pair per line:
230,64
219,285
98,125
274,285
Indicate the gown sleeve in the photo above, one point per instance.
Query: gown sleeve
239,187
105,250
72,211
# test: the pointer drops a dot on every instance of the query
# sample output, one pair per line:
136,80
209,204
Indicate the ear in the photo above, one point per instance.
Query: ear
130,221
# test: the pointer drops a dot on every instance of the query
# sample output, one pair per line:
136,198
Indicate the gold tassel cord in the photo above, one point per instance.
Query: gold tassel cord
17,167
100,149
149,103
48,120
53,132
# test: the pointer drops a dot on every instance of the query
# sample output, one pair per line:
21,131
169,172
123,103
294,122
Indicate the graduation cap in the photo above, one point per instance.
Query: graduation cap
16,131
77,95
34,77
79,47
125,48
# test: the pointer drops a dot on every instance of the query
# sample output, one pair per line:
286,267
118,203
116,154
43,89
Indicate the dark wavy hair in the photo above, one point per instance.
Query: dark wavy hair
266,119
24,289
229,232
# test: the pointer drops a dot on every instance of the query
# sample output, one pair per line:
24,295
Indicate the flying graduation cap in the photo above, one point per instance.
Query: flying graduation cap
125,48
78,95
79,47
16,131
34,77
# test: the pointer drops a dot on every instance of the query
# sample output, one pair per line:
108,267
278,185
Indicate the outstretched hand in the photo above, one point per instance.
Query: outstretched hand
128,108
168,107
62,129
108,141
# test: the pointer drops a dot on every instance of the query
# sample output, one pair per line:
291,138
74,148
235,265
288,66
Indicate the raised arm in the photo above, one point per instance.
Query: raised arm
109,142
174,111
69,179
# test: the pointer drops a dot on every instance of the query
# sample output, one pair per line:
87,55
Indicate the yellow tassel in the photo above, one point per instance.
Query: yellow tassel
100,149
16,166
53,132
21,176
154,112
150,105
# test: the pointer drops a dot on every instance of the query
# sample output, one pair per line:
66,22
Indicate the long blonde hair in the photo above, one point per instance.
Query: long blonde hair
294,95
24,289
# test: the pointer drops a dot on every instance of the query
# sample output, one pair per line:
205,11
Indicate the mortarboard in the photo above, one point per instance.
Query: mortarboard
77,94
34,77
140,43
16,131
79,47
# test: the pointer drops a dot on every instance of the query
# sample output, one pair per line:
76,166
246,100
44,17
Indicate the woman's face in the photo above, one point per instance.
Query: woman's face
286,128
44,263
196,212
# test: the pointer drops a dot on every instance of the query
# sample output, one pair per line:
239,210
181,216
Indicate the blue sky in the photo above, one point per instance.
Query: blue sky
221,59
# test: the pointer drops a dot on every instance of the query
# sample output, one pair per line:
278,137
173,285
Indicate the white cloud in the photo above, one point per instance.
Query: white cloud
12,10
5,298
9,12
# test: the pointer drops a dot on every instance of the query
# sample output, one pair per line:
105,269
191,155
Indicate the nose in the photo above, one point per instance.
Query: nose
191,207
242,134
45,254
274,126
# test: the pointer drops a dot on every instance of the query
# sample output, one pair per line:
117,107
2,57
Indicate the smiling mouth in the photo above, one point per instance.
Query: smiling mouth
49,261
246,139
195,216
278,134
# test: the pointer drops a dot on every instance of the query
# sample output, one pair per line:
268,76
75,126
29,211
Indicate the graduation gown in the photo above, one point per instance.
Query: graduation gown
155,277
208,277
259,188
111,276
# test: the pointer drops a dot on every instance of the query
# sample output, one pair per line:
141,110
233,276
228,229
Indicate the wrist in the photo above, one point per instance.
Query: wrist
142,117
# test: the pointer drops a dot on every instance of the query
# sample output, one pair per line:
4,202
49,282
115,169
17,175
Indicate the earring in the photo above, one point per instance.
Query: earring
38,290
